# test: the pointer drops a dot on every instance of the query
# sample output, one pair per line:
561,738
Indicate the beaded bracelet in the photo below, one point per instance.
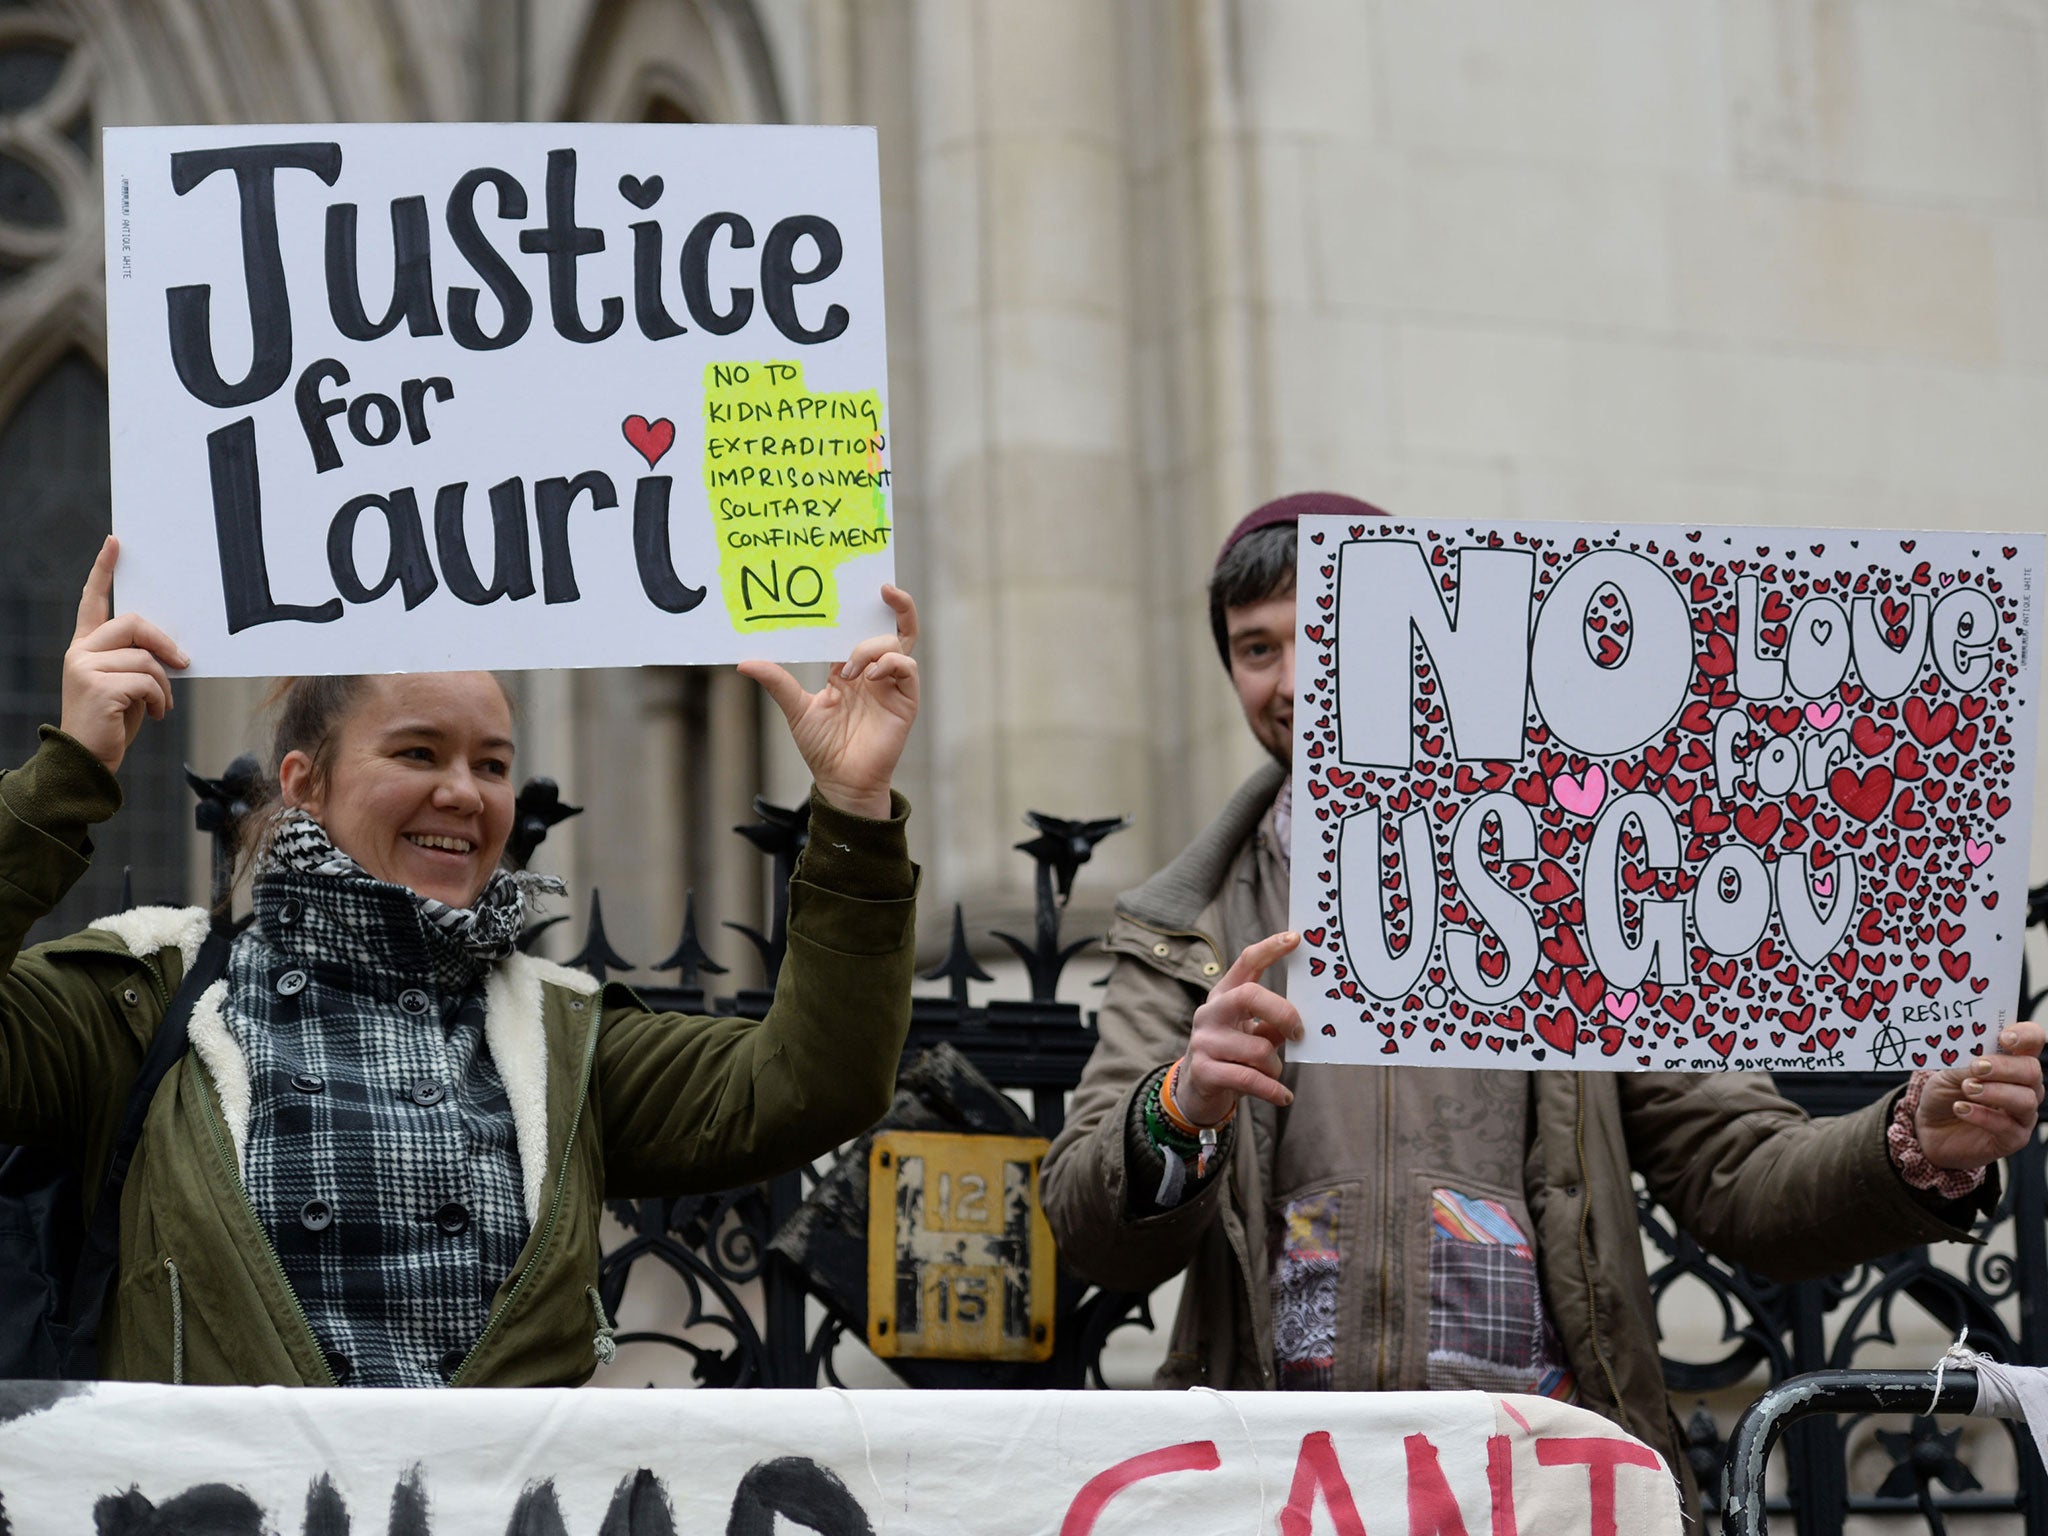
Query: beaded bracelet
1206,1137
1171,1108
1160,1128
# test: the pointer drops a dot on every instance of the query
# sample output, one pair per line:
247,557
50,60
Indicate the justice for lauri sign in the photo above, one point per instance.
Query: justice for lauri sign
407,396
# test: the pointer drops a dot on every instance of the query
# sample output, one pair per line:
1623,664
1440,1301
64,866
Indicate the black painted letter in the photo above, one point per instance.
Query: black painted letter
511,558
238,531
655,321
562,240
408,565
552,500
798,1489
697,273
779,276
490,266
270,310
658,577
412,273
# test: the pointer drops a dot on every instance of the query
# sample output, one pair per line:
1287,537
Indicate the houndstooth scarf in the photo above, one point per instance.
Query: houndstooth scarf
489,927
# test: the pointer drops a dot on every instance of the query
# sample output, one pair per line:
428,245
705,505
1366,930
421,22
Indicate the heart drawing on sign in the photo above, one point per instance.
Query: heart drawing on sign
641,194
650,439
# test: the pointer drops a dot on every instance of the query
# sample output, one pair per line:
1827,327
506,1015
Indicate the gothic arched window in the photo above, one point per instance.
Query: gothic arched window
54,510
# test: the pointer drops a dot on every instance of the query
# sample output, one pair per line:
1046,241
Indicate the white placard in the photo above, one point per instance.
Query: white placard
245,1461
1670,797
404,397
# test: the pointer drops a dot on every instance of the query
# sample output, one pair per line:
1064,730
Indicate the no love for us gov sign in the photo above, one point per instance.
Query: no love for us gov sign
1676,797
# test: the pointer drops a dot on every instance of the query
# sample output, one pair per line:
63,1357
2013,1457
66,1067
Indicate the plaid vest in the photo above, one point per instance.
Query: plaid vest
380,1155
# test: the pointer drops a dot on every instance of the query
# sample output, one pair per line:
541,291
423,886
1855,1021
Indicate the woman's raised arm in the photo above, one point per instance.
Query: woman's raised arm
115,669
851,731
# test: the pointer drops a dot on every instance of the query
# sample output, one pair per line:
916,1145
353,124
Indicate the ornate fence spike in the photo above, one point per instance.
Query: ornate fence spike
597,955
959,967
223,803
1063,846
688,958
1059,850
539,808
1044,960
1921,1455
1705,1451
781,833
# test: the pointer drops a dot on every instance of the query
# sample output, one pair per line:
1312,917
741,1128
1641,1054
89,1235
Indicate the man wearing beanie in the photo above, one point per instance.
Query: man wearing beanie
1406,1228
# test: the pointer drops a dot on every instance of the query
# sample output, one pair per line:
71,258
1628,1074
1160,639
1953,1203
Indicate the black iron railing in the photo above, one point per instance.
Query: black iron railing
718,1245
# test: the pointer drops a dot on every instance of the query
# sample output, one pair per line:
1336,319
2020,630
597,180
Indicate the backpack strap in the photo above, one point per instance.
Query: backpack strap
98,1253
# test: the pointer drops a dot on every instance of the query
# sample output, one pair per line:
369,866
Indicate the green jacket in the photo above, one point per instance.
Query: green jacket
626,1102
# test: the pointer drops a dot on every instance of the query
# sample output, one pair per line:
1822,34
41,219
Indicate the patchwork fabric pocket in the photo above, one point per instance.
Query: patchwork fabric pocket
1304,1290
1487,1327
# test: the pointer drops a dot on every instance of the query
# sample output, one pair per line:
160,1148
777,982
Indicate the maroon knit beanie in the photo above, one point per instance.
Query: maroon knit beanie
1289,509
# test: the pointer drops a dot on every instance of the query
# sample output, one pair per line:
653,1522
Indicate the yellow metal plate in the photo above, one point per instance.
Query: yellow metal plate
960,1260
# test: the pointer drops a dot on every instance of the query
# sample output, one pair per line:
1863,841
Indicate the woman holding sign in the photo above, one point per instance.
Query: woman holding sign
383,1159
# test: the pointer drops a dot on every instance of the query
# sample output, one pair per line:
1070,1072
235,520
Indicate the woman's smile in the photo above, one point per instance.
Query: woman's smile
419,789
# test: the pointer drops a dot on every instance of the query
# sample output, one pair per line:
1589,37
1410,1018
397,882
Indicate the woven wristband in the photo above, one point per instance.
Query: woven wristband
1171,1109
1160,1130
1207,1137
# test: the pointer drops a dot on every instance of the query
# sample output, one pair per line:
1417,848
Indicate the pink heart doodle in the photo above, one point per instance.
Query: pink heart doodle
1820,719
1621,1004
1824,886
1584,796
1975,851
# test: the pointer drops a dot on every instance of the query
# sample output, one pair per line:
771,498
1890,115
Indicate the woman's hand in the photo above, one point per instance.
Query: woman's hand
1235,1040
1973,1115
851,731
114,670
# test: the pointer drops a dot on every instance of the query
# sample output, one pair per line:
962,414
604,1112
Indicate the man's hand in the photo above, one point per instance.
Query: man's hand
851,731
1974,1114
114,670
1235,1040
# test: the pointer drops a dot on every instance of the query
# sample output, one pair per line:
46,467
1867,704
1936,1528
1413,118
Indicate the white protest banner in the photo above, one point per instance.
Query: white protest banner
1671,797
78,1460
416,396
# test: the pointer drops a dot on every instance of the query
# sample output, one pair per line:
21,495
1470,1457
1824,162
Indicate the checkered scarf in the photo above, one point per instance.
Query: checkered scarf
381,1155
490,926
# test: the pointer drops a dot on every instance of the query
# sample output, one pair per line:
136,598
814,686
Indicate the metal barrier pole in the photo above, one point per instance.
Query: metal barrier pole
1822,1392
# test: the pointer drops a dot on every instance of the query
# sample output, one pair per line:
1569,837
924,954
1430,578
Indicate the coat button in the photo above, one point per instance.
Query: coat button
414,1001
425,1093
451,1362
1211,968
452,1218
291,983
130,996
288,912
1161,949
341,1366
316,1215
309,1082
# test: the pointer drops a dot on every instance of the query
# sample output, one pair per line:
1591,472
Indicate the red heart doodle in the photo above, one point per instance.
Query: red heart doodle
650,439
1863,797
1559,1030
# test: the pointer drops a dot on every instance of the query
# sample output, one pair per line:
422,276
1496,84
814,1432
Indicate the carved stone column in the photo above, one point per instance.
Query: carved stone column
1037,559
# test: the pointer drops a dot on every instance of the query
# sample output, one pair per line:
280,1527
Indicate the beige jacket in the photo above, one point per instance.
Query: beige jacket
1743,1170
